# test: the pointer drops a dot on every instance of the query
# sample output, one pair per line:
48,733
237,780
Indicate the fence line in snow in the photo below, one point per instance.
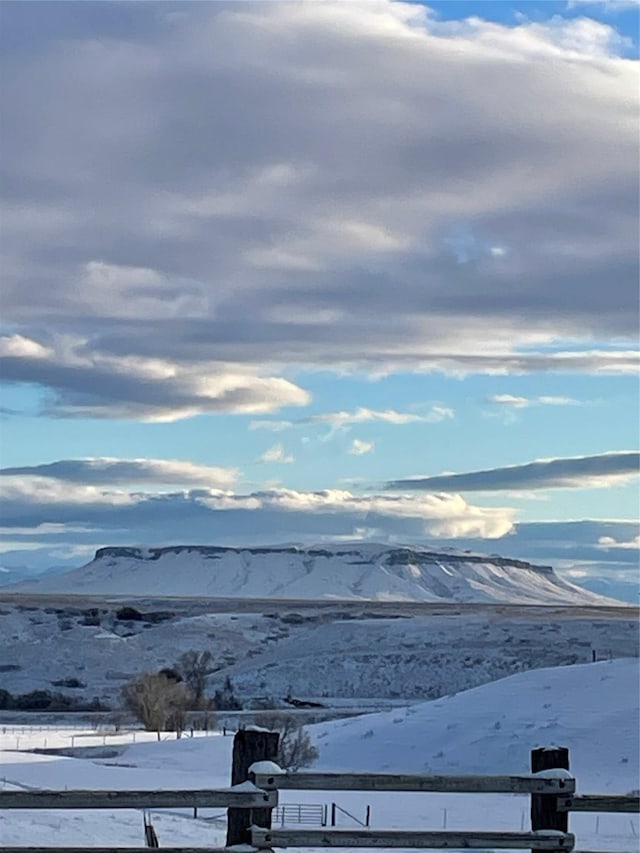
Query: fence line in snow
256,780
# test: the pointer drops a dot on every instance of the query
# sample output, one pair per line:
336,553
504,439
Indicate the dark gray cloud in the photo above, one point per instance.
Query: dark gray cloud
577,472
214,185
110,471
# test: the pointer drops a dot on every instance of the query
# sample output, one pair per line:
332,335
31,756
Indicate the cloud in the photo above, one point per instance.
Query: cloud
276,454
606,5
608,542
358,447
240,199
577,472
103,471
199,515
511,401
343,420
87,383
47,521
362,415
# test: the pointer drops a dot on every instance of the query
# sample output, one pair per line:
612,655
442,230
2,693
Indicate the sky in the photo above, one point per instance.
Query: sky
297,272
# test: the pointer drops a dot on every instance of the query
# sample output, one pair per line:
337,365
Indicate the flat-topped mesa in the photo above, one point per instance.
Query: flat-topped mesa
400,556
346,571
395,556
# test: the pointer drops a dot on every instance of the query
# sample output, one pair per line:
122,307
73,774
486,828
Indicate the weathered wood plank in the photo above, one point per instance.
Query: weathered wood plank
206,798
468,784
599,803
265,838
111,849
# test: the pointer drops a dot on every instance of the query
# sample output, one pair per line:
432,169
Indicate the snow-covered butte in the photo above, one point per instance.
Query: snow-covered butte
348,572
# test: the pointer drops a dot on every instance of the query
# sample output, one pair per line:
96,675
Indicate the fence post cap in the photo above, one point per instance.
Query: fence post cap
266,768
553,773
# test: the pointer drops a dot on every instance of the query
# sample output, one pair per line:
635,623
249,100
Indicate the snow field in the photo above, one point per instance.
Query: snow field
592,709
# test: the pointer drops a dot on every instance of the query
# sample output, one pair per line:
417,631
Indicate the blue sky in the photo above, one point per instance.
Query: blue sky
263,261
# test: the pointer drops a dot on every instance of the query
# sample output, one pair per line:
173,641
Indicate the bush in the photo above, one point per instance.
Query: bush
295,749
128,614
158,701
44,700
194,667
226,699
71,683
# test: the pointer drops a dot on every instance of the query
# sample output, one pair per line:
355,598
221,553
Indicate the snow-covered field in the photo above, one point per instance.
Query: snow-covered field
312,652
592,709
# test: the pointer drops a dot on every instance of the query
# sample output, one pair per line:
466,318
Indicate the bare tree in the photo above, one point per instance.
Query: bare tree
158,701
295,749
194,667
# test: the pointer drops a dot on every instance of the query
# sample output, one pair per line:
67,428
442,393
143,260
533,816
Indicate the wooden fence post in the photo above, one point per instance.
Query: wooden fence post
544,807
249,745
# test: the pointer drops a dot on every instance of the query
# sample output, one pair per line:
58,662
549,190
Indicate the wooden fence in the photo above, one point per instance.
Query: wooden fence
256,781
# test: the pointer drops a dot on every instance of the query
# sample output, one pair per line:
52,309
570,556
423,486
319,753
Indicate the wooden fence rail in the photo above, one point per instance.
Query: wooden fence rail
470,784
544,840
221,798
253,796
600,803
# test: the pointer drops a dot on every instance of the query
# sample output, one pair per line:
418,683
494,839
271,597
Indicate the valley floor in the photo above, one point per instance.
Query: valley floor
324,651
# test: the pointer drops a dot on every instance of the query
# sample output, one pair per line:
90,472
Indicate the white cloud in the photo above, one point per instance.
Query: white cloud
344,419
511,401
240,224
271,426
608,542
276,454
390,416
358,447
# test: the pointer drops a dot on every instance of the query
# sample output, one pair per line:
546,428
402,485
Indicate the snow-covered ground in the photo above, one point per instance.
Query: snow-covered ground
592,709
359,571
312,652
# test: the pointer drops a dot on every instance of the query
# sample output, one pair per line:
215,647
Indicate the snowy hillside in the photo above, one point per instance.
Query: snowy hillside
365,572
591,709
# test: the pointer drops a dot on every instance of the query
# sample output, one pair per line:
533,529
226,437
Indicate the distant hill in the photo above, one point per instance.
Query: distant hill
355,571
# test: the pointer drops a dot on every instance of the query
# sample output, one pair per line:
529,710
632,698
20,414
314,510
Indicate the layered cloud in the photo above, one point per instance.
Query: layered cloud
201,515
344,419
106,471
86,383
195,201
577,472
